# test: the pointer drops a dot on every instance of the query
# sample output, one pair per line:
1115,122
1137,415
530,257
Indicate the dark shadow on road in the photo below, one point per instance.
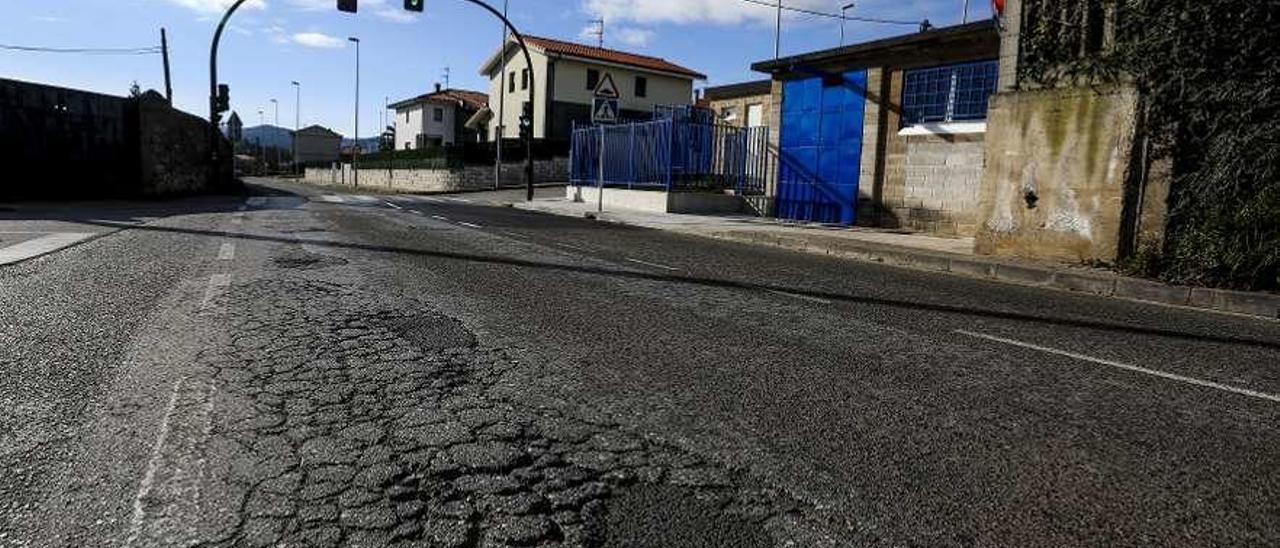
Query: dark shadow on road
718,283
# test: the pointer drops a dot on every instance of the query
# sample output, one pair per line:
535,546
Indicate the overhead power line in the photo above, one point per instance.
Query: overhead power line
833,15
151,50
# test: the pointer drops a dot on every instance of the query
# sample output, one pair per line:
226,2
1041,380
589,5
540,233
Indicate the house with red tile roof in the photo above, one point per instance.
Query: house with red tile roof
566,76
437,118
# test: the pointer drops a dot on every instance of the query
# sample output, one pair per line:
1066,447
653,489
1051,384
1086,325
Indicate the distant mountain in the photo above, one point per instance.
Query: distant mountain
368,145
270,136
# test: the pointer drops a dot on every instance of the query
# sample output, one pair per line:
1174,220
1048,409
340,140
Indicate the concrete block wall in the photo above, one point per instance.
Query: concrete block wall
438,180
942,184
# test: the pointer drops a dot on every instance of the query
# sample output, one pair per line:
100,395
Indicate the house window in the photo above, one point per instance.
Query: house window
438,115
952,93
406,116
593,79
642,86
524,79
511,82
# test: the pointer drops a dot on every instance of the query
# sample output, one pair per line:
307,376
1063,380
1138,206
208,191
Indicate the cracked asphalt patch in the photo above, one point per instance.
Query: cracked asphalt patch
343,419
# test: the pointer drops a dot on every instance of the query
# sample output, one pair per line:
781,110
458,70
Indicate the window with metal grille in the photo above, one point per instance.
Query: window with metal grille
952,93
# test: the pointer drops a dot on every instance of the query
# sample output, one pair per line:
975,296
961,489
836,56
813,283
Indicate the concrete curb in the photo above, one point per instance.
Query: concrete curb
1258,305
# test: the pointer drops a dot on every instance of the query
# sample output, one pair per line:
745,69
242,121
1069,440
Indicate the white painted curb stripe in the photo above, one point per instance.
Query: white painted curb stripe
40,246
1127,367
655,265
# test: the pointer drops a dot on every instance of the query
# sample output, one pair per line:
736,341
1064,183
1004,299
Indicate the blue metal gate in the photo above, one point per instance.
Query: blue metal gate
821,148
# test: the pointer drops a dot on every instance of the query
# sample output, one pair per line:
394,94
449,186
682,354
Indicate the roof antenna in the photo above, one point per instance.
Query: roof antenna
446,78
598,32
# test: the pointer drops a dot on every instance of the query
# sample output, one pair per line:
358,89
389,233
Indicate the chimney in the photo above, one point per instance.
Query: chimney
437,87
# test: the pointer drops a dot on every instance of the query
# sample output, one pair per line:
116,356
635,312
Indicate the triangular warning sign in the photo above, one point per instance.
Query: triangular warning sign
607,89
606,111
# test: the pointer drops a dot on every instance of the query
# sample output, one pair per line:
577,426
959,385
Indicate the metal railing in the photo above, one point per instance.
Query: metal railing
672,154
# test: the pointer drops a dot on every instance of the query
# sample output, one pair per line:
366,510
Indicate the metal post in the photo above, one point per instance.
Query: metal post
502,103
297,123
215,140
355,147
276,125
966,12
777,34
164,50
600,176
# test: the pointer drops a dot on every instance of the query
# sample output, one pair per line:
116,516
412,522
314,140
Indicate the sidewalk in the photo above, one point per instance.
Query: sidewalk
953,255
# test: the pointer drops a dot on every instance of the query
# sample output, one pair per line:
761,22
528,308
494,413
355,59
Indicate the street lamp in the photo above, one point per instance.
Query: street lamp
843,9
502,103
355,148
275,125
297,122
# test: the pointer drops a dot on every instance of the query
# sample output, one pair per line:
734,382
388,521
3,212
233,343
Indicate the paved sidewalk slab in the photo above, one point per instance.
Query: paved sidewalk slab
41,245
952,255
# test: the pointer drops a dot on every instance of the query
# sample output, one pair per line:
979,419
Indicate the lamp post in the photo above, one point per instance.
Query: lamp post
275,125
355,148
297,122
777,34
502,103
844,9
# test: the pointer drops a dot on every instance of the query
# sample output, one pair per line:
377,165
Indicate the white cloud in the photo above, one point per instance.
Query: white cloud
217,6
723,12
631,36
396,15
49,19
318,40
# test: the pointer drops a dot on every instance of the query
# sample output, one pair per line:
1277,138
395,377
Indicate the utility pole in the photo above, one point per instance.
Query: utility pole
844,9
502,103
966,12
297,125
164,53
355,148
777,34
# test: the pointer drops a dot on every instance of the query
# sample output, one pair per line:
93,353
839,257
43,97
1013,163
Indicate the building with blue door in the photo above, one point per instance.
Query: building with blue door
885,133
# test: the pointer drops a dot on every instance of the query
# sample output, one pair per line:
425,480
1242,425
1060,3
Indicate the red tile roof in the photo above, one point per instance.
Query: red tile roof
611,56
473,100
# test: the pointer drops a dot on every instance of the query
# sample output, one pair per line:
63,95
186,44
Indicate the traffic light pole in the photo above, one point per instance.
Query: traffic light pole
215,140
214,114
528,59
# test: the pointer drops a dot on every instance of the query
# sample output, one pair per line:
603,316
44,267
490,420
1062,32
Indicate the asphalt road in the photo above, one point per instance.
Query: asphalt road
325,369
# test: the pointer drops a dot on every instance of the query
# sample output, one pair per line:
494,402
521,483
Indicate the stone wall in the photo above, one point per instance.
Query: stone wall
439,180
173,150
1058,164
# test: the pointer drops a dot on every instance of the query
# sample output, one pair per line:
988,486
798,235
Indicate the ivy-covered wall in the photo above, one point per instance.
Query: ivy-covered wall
1208,72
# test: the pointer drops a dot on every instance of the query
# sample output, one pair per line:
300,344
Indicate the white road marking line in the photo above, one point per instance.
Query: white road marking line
40,246
799,296
462,200
153,466
430,199
364,199
393,205
655,265
1127,367
332,199
238,219
228,252
439,218
470,225
217,283
416,212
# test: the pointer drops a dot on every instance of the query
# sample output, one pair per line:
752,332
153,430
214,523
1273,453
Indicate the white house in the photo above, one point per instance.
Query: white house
437,118
567,75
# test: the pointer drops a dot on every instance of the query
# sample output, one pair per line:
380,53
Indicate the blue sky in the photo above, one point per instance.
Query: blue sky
272,42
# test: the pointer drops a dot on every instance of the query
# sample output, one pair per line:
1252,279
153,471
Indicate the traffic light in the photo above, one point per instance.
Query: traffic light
348,6
526,122
222,102
414,5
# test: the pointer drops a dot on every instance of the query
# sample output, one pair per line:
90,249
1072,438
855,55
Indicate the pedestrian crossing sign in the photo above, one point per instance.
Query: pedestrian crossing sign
604,111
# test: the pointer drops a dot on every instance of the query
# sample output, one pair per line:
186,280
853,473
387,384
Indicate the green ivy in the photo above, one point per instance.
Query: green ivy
1209,73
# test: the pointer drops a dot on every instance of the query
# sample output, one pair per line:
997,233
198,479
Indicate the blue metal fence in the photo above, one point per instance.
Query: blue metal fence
672,153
